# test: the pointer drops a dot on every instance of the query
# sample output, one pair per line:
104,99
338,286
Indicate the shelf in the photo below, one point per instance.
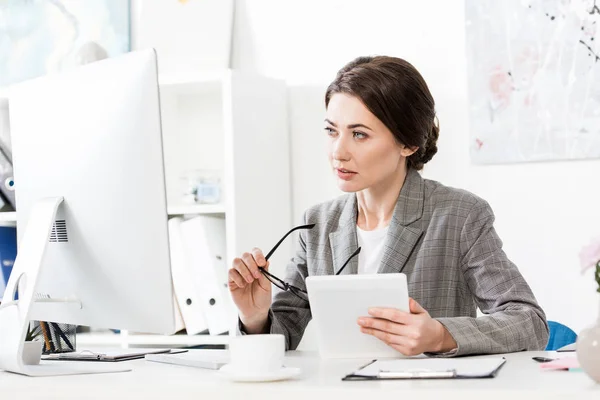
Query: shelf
114,339
192,209
8,216
205,77
4,94
199,209
191,83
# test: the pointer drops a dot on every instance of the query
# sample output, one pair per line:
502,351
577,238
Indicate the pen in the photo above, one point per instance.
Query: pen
55,338
367,364
416,374
47,340
542,359
62,335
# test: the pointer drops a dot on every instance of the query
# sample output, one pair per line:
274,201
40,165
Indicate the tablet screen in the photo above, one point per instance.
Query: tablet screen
337,302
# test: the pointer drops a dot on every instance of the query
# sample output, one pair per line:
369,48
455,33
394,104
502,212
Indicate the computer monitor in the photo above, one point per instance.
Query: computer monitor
92,137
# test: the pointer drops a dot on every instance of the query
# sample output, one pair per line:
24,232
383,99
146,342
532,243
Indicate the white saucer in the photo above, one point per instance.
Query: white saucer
247,376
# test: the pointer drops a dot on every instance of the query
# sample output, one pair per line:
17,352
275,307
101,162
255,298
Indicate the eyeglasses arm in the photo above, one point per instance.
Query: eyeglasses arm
348,260
270,253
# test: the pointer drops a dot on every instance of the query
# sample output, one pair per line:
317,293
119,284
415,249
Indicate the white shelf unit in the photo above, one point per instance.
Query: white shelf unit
236,124
125,340
197,209
190,209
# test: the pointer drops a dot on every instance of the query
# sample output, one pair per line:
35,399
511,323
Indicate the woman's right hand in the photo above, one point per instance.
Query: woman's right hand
251,290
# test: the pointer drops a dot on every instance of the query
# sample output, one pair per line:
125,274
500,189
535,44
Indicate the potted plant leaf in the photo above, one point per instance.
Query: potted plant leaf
32,333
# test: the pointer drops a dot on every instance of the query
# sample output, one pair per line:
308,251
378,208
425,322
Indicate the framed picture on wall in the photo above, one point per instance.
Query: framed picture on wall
534,80
38,37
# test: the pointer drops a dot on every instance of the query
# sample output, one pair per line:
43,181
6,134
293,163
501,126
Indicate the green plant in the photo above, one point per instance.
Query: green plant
32,333
597,275
590,258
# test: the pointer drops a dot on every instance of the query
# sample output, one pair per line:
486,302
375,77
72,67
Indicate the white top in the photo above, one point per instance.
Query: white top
371,252
520,378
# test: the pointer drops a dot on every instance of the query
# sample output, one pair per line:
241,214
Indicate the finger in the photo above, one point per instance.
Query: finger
407,343
235,279
260,261
252,265
263,280
240,265
250,262
386,326
391,314
386,337
406,351
259,257
415,307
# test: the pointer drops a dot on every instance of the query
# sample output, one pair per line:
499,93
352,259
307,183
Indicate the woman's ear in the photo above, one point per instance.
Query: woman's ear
406,151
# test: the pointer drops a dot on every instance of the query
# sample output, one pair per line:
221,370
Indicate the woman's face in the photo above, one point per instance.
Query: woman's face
362,151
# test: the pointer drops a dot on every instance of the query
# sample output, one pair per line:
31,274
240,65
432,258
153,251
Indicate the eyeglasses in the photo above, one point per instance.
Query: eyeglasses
300,293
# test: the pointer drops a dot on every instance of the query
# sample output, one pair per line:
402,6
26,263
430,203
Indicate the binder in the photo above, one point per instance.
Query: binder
204,244
3,282
179,323
428,368
8,254
189,312
7,185
7,194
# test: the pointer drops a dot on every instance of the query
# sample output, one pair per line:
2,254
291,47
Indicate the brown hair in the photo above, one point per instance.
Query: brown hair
396,93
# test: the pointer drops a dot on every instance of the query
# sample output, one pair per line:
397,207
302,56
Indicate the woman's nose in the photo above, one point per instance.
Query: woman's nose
340,150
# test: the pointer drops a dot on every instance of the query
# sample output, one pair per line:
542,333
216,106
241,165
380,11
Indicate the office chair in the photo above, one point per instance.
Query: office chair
560,336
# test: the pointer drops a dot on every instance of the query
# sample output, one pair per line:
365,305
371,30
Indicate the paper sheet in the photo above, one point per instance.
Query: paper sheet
566,363
465,367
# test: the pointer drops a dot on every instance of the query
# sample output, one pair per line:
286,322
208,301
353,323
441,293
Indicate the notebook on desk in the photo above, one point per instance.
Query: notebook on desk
109,356
428,368
207,359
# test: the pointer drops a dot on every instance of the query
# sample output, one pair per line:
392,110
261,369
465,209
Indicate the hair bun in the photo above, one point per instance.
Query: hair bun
431,144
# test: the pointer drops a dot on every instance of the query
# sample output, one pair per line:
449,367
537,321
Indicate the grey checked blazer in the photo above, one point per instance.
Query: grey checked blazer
443,239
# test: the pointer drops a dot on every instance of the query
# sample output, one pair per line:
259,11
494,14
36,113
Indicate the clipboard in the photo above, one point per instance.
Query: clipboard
87,355
421,368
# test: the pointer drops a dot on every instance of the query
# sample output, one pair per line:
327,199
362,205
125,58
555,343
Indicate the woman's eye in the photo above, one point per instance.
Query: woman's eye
359,135
329,131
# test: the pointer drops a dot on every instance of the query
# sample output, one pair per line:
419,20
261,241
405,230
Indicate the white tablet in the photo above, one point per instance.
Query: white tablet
336,303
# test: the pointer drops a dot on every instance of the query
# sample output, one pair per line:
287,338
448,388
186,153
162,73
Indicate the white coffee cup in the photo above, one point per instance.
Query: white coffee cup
257,354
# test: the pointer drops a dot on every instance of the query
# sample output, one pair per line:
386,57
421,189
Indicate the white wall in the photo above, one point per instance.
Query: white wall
545,211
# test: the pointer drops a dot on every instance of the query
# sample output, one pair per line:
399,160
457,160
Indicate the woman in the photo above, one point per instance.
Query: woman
381,128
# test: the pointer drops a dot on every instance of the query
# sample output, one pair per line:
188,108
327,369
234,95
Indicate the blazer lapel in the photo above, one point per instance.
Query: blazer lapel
343,241
402,237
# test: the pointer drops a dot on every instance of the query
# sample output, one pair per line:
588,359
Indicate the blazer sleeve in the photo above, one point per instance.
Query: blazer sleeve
513,319
289,315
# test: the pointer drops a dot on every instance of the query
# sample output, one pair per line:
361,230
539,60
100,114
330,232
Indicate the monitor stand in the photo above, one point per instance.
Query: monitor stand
15,314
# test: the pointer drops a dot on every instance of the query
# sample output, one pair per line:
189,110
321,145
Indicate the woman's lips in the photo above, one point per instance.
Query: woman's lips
345,174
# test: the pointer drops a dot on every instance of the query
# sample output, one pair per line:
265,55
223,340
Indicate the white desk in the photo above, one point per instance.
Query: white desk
519,378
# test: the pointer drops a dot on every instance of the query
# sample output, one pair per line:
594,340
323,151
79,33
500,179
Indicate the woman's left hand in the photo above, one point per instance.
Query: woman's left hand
410,333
